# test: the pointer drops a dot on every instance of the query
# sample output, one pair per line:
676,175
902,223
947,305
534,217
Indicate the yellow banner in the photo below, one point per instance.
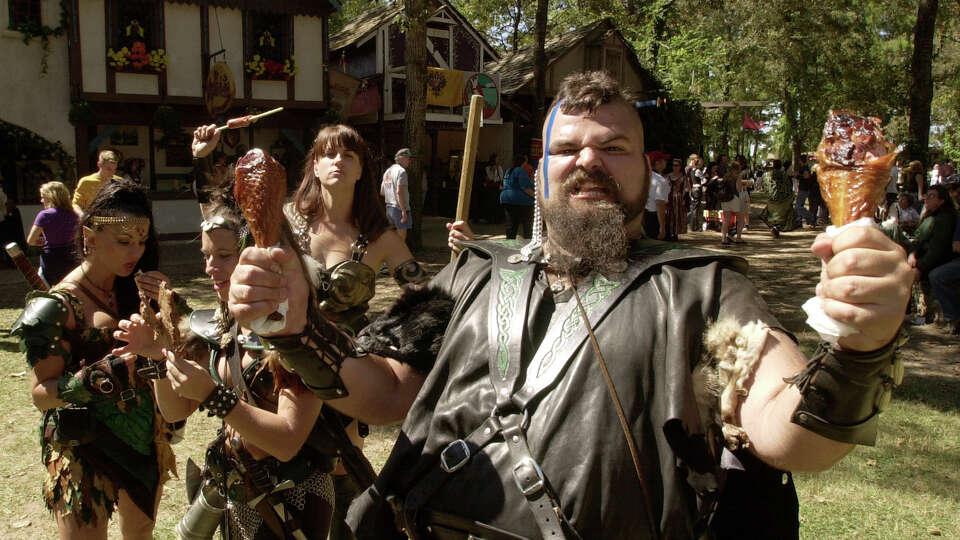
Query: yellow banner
444,87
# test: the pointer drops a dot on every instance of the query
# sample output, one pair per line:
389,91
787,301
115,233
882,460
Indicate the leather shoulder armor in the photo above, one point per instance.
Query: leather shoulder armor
40,326
204,323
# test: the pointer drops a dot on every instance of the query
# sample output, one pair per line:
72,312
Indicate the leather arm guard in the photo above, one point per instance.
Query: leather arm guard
844,391
316,355
40,327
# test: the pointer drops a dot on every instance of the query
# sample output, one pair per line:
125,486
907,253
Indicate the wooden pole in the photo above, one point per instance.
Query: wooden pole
469,159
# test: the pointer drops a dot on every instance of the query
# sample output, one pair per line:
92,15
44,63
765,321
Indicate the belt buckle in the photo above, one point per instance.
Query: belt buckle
536,486
460,445
128,394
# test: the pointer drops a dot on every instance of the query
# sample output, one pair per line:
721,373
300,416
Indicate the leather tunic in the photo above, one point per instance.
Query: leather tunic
649,324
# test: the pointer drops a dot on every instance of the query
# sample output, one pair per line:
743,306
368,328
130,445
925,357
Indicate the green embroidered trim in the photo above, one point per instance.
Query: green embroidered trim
514,244
600,290
506,305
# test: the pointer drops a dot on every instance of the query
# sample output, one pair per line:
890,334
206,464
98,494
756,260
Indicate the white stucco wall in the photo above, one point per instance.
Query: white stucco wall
93,45
269,90
182,40
308,49
31,100
226,32
138,83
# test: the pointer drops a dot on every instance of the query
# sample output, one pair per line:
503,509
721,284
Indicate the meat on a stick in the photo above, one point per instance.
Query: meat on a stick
854,161
260,188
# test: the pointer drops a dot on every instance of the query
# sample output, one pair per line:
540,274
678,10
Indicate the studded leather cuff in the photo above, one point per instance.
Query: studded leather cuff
221,401
844,391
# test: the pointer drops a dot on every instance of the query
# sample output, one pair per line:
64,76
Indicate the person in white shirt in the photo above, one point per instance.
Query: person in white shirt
395,192
655,211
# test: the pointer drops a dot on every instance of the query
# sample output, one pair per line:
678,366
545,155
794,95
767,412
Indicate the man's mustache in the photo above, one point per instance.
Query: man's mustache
581,176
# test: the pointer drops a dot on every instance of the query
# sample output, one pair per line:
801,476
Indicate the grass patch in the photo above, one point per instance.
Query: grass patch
905,487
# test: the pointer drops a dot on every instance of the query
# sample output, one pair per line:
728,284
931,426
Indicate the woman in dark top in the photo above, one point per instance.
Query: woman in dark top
517,199
54,228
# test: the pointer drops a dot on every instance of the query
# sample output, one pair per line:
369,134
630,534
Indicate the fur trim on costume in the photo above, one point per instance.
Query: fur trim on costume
412,330
731,354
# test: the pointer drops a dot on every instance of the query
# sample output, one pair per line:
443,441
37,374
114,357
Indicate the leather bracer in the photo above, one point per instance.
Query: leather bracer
843,392
316,355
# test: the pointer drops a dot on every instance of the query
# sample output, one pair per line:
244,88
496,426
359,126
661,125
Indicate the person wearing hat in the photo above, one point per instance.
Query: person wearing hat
394,190
89,186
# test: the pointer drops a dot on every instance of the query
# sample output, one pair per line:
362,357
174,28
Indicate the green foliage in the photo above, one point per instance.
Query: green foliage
31,28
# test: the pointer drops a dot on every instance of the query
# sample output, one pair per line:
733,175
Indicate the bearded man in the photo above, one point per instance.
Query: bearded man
512,429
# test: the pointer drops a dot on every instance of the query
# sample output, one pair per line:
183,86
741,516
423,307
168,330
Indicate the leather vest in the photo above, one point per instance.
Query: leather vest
648,321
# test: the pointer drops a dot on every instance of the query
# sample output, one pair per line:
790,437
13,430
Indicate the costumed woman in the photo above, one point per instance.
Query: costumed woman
262,444
338,219
104,445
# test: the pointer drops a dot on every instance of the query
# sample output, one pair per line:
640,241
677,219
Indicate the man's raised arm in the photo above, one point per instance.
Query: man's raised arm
803,415
369,387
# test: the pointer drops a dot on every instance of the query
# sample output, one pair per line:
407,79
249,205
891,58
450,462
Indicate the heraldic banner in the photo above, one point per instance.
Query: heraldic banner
444,87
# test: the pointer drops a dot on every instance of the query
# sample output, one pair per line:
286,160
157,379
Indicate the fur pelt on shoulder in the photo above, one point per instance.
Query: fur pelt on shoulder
731,354
412,330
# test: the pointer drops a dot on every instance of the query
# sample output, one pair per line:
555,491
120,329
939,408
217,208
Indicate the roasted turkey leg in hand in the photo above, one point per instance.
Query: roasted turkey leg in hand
259,189
854,161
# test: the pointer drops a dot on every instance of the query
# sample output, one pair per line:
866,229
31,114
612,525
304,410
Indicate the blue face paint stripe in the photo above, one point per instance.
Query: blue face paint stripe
546,150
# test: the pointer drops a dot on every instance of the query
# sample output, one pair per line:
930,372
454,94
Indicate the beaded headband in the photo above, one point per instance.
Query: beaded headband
244,237
216,222
126,223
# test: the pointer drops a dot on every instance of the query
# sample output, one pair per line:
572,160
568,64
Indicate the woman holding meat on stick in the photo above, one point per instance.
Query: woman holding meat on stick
337,218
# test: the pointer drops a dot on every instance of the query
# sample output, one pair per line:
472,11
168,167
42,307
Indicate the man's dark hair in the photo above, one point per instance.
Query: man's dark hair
587,91
944,195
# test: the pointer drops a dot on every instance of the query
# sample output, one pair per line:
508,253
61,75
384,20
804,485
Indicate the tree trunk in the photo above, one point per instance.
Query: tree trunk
415,111
540,64
518,5
921,81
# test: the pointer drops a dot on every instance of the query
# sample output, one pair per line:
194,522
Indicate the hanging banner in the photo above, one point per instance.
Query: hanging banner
443,87
366,101
219,90
343,88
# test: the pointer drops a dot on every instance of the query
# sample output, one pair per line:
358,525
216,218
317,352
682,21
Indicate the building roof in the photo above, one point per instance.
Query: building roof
364,25
316,8
516,69
360,28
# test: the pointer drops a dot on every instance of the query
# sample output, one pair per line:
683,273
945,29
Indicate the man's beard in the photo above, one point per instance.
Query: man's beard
591,238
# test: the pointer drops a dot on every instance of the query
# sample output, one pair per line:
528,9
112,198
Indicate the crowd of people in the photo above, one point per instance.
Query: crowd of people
492,366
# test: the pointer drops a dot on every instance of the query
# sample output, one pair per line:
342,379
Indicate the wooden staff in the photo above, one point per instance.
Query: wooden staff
252,119
469,158
25,268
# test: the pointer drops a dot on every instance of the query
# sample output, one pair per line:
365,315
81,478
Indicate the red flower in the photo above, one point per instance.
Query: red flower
139,56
